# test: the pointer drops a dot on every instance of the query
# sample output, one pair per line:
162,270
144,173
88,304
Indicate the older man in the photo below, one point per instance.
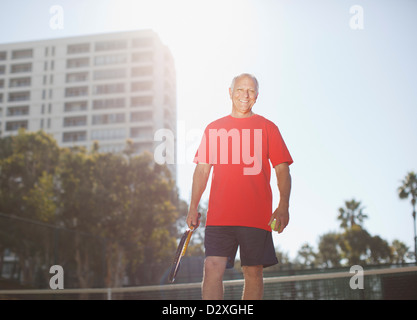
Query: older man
240,148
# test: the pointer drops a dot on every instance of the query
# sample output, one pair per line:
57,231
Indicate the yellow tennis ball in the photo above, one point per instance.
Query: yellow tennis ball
273,225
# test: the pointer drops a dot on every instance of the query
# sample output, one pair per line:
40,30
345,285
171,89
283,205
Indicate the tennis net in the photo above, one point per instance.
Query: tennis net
386,283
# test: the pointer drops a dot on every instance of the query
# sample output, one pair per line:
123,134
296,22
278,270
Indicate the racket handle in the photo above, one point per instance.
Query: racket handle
195,226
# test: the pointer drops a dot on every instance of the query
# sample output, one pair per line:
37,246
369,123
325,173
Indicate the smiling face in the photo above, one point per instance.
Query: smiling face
243,94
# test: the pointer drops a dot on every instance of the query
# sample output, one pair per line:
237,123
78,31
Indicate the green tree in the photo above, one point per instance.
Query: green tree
329,250
26,158
27,165
99,215
307,255
153,213
379,251
399,251
78,214
40,200
354,243
127,201
408,189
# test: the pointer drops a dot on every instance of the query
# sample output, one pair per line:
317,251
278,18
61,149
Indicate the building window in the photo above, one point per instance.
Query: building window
20,68
141,116
108,118
76,92
20,82
19,96
3,55
142,101
108,103
2,69
109,88
111,45
75,121
108,134
75,106
146,56
18,111
78,48
78,63
76,77
109,74
142,86
22,54
142,71
16,125
74,136
110,59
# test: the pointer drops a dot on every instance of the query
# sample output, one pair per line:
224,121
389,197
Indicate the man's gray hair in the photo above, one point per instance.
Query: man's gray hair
232,86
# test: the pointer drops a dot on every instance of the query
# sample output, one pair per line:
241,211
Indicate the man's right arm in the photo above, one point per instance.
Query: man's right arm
200,178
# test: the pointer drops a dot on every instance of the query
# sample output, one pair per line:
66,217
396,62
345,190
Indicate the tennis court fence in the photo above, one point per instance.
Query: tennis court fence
375,284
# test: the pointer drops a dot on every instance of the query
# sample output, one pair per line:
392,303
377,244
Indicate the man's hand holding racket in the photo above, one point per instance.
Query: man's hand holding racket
182,246
193,218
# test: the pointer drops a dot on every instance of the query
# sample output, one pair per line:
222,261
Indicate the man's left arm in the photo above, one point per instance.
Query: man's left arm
281,214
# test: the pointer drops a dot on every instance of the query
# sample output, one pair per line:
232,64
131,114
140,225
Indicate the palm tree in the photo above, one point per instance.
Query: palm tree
407,189
352,214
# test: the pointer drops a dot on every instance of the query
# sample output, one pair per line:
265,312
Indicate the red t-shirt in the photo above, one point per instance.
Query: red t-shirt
241,151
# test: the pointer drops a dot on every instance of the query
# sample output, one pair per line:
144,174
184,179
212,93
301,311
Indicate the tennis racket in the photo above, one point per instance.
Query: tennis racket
182,247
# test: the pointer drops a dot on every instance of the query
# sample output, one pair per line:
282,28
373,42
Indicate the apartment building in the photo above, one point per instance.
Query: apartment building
106,88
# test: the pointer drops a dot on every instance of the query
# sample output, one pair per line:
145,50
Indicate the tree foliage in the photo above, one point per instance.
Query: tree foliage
352,245
104,217
408,189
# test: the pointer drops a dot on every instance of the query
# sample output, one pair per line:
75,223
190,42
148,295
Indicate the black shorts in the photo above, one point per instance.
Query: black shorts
256,245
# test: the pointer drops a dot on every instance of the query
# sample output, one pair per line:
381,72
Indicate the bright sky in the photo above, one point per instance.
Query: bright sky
345,100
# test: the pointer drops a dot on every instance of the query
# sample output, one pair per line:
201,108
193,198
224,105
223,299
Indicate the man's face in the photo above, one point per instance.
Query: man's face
243,96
